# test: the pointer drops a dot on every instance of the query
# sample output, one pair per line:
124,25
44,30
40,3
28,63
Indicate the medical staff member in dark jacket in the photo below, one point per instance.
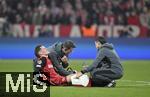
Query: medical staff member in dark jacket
58,53
107,67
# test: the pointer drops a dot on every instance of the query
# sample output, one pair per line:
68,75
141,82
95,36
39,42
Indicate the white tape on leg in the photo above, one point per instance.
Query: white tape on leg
75,81
82,80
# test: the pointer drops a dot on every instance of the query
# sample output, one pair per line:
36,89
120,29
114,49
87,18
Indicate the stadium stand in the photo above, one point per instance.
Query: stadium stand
47,18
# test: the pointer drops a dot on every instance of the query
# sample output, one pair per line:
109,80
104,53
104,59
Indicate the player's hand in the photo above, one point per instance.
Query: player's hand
69,77
44,77
64,59
78,74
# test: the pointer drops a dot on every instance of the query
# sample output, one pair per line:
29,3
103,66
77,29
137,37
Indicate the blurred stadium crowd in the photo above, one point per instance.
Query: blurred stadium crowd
74,12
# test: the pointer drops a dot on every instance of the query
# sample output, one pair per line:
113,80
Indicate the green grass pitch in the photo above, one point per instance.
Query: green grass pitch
135,83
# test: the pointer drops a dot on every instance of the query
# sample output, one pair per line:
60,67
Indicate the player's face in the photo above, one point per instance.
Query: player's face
43,51
67,51
97,44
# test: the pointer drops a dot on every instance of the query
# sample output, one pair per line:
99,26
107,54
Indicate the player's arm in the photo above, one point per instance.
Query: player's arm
59,67
65,65
64,61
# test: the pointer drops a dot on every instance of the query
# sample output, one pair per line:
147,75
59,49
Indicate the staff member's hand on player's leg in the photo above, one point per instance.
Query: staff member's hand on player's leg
78,74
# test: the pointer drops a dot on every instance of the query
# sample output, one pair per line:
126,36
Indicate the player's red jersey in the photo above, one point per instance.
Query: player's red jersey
52,76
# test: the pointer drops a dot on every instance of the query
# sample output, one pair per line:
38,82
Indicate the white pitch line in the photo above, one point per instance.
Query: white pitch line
146,82
136,85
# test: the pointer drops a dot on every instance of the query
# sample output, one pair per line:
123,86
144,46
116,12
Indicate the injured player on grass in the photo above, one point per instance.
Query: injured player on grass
48,74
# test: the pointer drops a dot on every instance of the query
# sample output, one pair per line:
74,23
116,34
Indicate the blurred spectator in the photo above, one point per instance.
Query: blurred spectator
38,12
2,21
37,17
54,15
133,18
80,12
109,18
127,33
45,32
121,19
144,19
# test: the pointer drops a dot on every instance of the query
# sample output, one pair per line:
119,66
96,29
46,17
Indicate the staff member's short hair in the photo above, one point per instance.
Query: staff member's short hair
69,44
101,39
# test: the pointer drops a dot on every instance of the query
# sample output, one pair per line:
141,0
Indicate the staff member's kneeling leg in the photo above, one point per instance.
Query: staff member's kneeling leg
102,78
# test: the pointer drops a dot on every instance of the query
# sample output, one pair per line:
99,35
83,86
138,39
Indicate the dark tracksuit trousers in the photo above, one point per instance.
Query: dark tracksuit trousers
102,77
